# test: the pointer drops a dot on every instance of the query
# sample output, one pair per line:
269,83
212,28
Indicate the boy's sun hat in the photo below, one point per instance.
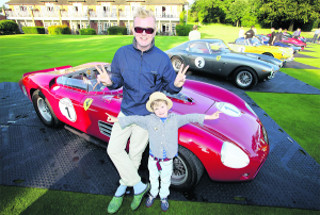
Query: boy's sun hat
155,96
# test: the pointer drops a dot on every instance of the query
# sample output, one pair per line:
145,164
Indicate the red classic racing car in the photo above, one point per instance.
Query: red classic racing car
232,148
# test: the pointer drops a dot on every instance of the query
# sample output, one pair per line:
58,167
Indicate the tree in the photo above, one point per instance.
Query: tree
292,11
237,10
209,11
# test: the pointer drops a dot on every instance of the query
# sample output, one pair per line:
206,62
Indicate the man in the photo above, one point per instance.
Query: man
141,69
272,37
241,33
279,35
297,33
315,36
195,34
251,33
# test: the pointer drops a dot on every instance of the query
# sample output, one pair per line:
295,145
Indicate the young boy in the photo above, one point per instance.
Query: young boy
163,138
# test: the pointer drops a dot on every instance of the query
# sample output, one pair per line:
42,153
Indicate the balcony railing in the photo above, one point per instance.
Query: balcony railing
74,14
94,14
45,14
17,13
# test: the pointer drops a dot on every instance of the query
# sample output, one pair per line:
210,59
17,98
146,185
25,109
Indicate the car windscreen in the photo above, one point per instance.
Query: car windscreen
84,79
217,46
199,47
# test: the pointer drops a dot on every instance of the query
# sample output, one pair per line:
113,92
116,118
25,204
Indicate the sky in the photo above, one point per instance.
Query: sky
2,2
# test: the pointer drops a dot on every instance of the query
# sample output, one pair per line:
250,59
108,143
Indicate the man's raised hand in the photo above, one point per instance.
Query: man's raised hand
181,76
103,76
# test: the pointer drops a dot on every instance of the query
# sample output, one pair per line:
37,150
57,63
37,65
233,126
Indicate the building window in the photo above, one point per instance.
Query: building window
106,25
23,8
174,28
50,9
163,11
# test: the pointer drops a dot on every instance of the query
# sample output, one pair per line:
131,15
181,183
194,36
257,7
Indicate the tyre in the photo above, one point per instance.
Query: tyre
44,110
176,63
187,170
245,78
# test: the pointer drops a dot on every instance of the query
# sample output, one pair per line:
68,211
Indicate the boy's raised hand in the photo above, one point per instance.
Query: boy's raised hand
103,76
181,76
111,118
215,115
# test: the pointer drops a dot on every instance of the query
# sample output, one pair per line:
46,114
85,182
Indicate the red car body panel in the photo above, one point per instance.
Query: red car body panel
246,131
295,42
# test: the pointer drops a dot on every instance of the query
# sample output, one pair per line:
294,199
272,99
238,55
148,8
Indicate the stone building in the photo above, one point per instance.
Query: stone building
97,14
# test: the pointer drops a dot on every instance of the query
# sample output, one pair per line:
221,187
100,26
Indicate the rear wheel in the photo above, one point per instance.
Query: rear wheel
176,63
187,170
245,78
44,110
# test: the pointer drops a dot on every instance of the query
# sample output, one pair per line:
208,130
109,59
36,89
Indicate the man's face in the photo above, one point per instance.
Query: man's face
144,39
161,109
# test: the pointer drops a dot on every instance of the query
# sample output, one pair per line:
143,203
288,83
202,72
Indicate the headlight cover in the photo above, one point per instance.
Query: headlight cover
24,90
232,156
250,108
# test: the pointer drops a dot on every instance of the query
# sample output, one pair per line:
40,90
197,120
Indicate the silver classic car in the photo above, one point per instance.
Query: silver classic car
214,56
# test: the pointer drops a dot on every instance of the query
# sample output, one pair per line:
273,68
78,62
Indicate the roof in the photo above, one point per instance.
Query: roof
97,2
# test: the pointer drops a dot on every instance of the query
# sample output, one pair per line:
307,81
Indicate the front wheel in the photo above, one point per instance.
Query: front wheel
245,78
44,110
187,170
176,63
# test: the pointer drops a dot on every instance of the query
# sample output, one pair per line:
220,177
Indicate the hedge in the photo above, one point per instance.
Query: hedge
88,31
9,27
59,29
183,30
116,30
34,30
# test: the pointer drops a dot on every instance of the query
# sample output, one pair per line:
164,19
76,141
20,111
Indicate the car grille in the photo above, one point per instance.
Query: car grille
105,128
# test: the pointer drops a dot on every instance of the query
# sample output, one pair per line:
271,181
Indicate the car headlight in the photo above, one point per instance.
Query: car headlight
24,90
232,156
265,134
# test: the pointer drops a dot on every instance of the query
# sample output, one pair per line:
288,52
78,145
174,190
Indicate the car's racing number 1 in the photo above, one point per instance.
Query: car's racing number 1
199,62
67,109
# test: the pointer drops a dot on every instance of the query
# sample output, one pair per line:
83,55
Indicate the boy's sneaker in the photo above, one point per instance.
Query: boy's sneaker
164,204
150,201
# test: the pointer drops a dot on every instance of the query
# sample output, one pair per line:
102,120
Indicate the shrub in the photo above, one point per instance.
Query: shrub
9,27
116,30
183,30
59,29
34,30
88,31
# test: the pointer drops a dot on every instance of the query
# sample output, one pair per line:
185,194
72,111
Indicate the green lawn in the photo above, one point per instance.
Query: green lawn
299,116
25,53
42,201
